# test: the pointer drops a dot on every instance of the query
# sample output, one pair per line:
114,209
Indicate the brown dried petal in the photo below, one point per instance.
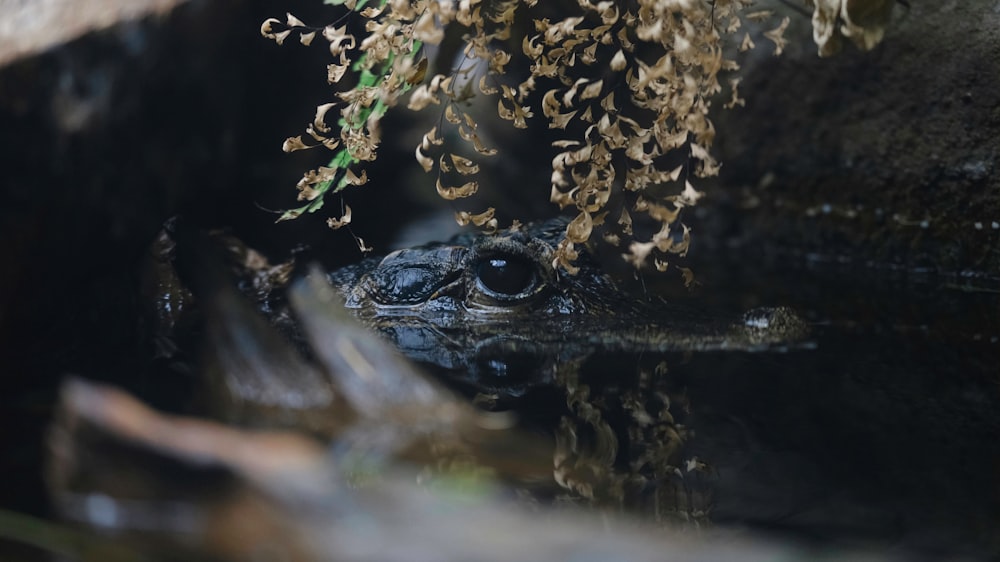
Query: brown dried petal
637,253
564,256
319,120
361,245
452,193
463,218
592,90
292,144
342,221
427,30
661,213
266,28
339,39
464,166
688,276
567,99
372,11
561,120
334,72
485,88
431,138
499,60
477,144
451,116
562,198
618,61
350,178
421,97
426,162
279,38
527,44
550,105
690,195
625,220
579,229
735,100
776,35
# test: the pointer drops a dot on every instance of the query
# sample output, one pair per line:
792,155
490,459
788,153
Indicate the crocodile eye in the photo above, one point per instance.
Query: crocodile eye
506,276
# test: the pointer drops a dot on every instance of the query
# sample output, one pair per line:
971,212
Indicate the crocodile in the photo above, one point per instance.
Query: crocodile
490,315
495,312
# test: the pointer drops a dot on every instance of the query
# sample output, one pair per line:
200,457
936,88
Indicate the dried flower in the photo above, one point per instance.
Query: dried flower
622,120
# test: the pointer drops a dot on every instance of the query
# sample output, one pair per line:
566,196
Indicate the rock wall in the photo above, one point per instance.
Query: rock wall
888,157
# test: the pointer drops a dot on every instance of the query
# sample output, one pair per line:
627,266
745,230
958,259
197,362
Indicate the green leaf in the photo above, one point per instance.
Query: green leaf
342,158
291,214
316,204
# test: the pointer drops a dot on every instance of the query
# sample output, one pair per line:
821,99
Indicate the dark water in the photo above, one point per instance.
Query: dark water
880,433
885,431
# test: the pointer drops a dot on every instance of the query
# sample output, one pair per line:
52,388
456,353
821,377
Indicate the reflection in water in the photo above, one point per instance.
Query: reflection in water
881,431
120,466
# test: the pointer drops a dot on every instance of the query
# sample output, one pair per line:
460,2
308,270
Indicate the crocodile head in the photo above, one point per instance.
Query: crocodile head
494,310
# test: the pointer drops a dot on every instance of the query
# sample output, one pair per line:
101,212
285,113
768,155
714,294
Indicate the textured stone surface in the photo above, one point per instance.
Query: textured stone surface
889,156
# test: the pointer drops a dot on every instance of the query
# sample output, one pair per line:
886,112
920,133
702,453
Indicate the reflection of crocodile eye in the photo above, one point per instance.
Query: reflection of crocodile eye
506,276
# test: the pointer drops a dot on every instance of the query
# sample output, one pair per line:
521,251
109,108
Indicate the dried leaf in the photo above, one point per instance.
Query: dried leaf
361,245
592,91
486,89
561,120
417,73
451,116
464,166
342,221
579,229
426,30
339,39
777,36
463,218
319,121
292,144
350,178
618,61
564,256
498,60
431,138
421,97
689,281
637,253
625,220
426,162
279,38
452,193
267,28
477,144
334,72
